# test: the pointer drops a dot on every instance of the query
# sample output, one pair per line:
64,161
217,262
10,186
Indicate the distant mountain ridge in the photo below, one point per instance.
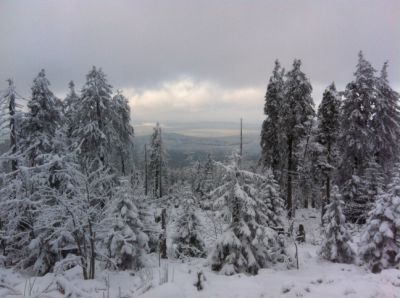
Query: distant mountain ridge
182,149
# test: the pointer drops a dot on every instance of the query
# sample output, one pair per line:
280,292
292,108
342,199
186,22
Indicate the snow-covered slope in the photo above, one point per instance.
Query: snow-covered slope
174,279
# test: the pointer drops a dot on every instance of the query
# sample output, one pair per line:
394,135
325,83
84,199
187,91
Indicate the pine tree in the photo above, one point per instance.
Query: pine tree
187,236
356,137
93,119
38,127
71,103
122,140
157,163
8,123
208,174
385,123
252,208
126,242
328,134
30,188
271,133
297,112
335,246
380,241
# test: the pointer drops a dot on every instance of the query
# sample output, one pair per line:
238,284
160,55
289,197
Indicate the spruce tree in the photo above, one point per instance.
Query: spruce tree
385,123
357,136
187,236
157,182
71,103
327,135
93,119
126,242
122,139
336,239
208,172
8,123
30,188
380,241
271,133
38,127
251,205
297,112
157,163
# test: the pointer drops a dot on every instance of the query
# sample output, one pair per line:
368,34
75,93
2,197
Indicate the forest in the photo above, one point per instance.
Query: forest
74,196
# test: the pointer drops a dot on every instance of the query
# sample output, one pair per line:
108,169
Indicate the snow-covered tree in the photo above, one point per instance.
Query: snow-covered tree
39,125
209,174
251,206
122,140
385,123
336,239
93,119
29,188
296,113
356,200
374,182
71,103
157,164
328,134
79,211
126,242
8,122
357,135
21,197
271,132
380,241
187,236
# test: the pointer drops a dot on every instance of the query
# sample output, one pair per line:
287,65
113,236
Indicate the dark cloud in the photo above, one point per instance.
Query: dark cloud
143,44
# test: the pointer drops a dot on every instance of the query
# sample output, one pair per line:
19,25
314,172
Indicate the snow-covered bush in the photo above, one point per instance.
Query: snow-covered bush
335,246
380,241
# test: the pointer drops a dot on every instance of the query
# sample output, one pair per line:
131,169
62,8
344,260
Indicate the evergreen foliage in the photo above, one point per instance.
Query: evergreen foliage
251,206
271,134
126,242
379,245
187,236
296,116
336,242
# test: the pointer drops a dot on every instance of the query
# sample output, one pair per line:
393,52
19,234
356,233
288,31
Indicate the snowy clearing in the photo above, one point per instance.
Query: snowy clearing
315,278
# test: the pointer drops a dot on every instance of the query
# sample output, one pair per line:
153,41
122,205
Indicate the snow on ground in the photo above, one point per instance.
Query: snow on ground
315,278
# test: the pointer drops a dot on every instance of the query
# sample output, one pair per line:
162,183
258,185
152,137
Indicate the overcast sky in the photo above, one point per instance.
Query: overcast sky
197,60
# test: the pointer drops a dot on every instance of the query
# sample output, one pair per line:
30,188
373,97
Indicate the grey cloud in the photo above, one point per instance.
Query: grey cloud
142,44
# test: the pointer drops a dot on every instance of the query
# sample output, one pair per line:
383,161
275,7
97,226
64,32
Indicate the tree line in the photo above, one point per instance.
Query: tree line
73,194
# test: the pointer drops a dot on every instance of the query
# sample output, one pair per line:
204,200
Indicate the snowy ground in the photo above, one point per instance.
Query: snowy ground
315,278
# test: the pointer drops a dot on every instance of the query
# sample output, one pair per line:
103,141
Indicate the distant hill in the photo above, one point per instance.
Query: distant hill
181,149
